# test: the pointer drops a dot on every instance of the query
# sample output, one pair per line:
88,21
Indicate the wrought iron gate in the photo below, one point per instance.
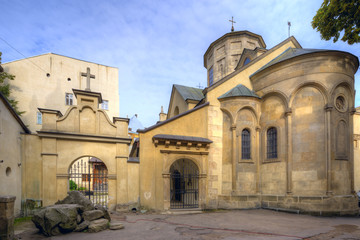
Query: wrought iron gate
184,184
89,175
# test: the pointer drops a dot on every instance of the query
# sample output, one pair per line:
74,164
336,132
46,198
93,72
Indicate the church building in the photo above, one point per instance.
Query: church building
272,129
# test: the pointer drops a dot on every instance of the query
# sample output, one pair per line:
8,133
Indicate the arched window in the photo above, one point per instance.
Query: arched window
176,111
245,144
272,143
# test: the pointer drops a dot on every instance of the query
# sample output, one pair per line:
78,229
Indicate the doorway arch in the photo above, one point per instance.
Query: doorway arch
184,184
89,175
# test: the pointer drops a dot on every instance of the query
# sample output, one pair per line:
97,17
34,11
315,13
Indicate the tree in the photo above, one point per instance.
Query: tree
337,16
5,87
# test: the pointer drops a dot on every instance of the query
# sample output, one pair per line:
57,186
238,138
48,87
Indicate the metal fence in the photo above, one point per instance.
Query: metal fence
184,186
90,176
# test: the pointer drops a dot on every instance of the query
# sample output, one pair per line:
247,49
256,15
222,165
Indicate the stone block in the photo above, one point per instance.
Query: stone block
7,217
116,226
93,215
98,225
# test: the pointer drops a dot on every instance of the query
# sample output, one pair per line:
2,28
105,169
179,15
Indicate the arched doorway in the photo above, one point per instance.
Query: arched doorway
89,175
184,184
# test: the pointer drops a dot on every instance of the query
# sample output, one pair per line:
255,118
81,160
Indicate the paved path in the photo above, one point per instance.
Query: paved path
229,225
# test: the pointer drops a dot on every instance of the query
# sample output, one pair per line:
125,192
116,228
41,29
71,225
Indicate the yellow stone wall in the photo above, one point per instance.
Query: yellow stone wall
153,163
83,131
33,89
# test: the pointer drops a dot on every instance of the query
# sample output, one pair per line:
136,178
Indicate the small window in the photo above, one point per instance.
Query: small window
245,144
272,143
211,76
38,118
247,60
176,111
69,98
105,105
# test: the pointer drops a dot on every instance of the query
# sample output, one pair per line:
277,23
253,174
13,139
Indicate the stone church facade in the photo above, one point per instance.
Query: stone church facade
273,129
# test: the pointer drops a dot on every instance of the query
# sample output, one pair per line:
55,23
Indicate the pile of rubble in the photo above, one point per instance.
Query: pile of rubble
74,213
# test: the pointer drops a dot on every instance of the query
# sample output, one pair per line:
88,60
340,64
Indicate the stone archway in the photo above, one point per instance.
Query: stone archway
184,184
89,175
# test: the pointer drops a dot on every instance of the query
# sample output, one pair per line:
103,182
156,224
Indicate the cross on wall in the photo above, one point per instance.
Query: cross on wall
88,76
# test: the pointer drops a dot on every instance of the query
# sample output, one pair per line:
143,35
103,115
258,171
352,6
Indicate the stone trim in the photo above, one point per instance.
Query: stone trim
62,175
184,152
83,137
49,154
112,176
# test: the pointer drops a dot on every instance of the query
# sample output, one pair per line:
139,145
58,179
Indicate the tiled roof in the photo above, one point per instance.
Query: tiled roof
239,91
189,92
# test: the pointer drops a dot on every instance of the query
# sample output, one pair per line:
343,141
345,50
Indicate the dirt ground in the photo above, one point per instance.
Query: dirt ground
229,225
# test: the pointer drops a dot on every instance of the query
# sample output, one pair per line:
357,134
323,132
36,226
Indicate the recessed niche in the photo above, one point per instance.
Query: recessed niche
8,171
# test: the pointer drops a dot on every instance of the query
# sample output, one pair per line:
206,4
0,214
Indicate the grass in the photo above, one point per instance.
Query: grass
21,220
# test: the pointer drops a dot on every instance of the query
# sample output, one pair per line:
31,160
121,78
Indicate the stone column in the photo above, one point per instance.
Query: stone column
289,151
233,129
258,160
328,110
351,141
7,217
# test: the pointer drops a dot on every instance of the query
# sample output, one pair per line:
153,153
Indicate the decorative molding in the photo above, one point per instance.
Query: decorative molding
112,176
49,154
328,107
122,157
184,152
62,175
83,137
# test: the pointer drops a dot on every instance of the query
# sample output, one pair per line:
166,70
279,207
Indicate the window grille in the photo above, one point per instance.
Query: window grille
272,143
69,98
245,144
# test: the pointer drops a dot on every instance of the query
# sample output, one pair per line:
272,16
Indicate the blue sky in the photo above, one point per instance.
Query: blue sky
154,43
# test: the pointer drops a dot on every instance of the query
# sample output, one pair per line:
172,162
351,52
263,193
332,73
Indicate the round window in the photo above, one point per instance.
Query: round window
341,104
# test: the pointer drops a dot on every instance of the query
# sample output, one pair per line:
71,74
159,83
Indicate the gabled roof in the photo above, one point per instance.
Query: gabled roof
239,91
189,93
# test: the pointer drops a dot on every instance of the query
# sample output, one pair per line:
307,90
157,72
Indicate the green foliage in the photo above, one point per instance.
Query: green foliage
17,221
5,88
72,185
337,16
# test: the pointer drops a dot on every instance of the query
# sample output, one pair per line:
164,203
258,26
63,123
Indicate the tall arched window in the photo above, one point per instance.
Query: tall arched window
245,144
272,143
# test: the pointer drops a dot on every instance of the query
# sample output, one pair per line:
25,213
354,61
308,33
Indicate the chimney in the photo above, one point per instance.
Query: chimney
162,115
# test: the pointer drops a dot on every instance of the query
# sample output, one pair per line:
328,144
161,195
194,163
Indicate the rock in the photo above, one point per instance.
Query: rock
98,225
82,226
116,226
105,211
57,219
76,197
78,218
92,215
